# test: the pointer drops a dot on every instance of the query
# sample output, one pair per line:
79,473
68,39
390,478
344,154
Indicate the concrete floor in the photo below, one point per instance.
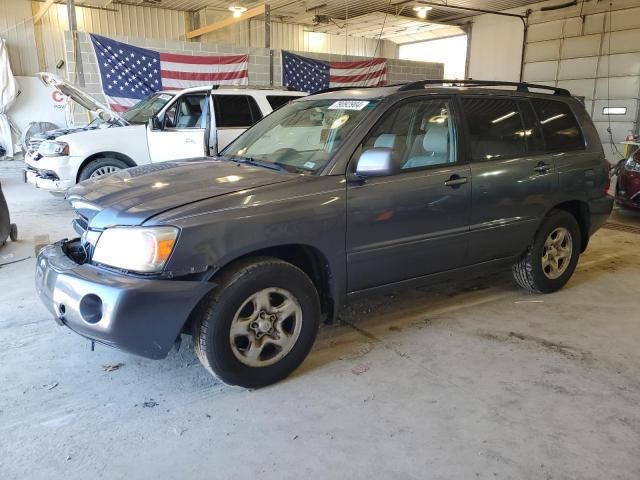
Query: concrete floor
466,381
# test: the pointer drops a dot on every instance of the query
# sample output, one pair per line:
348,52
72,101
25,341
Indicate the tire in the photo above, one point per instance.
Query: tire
13,232
101,166
529,272
227,353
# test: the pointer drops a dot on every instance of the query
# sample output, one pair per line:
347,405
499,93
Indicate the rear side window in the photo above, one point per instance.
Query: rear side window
236,111
495,128
559,125
276,101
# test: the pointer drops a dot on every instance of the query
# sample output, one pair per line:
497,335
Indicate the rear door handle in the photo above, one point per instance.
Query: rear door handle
189,140
455,181
542,167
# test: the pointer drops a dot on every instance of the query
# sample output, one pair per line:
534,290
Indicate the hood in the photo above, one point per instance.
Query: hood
132,196
83,99
53,134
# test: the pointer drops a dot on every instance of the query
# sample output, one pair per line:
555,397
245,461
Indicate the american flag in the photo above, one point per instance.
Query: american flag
309,75
128,73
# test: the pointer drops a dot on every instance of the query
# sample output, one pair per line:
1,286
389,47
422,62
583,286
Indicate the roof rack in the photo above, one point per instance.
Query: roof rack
520,86
337,89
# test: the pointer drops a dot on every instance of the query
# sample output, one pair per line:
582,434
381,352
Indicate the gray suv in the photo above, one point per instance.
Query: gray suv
334,194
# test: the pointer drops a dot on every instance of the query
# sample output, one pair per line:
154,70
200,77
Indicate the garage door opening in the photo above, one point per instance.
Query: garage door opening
452,51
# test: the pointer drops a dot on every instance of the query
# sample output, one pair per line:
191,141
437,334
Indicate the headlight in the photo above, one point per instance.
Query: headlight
53,149
632,165
138,249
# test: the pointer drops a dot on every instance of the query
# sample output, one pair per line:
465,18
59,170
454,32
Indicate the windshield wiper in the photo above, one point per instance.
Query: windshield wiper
258,163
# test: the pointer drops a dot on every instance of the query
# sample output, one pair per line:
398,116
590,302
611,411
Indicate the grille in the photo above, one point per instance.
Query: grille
34,143
622,228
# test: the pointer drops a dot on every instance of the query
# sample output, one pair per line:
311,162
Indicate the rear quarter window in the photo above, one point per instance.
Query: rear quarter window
276,101
559,126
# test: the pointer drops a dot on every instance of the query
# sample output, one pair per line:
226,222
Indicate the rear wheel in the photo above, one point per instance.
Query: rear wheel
101,166
259,324
553,255
13,232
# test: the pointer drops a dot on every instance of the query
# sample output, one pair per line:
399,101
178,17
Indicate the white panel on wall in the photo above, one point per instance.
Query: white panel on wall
594,23
625,64
580,87
545,31
622,42
625,19
618,87
540,71
541,51
575,68
581,46
619,131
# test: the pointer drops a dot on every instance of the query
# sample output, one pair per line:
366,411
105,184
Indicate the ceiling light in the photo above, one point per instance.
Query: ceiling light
237,10
421,10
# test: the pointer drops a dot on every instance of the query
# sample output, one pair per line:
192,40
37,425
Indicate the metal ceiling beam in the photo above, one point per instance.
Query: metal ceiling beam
212,27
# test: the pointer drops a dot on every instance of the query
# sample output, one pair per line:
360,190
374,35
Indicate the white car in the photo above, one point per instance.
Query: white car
164,126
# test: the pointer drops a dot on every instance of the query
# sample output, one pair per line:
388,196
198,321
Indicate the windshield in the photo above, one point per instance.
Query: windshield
301,136
146,108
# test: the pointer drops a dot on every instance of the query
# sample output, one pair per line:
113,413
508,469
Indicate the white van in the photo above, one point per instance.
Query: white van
164,126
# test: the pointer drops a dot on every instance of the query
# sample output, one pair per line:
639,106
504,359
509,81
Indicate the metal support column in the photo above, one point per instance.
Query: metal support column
73,28
267,39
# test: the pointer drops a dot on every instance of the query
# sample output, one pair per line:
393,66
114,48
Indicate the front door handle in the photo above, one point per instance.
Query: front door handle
455,181
542,167
189,140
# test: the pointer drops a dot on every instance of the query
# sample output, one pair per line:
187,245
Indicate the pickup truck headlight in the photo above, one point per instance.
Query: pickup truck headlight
49,148
137,249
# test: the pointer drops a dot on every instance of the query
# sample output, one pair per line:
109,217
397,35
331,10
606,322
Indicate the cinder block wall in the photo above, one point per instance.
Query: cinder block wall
259,61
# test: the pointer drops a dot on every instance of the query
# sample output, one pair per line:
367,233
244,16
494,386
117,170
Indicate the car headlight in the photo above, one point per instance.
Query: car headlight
53,149
632,165
138,249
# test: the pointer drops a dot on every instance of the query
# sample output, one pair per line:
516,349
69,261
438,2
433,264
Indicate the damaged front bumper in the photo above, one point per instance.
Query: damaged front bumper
138,315
55,174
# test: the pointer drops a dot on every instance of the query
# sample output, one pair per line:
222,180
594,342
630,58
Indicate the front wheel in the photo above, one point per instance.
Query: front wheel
551,259
259,324
100,167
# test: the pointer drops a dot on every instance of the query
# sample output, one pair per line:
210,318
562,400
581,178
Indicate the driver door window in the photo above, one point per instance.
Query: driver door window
186,112
419,133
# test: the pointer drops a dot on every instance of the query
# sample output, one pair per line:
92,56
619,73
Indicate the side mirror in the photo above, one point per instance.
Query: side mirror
155,123
376,162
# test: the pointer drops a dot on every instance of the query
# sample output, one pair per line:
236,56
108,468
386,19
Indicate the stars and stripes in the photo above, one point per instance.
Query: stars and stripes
309,75
129,73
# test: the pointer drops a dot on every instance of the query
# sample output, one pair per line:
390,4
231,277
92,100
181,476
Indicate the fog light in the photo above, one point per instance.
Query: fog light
91,308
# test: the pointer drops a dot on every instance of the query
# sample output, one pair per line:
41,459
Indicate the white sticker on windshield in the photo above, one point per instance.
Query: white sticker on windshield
310,165
349,105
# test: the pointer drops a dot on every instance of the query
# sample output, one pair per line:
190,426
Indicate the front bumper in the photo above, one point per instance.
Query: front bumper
137,315
628,190
56,174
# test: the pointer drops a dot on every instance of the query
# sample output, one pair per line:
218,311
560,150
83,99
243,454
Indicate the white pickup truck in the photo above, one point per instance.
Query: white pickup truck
165,126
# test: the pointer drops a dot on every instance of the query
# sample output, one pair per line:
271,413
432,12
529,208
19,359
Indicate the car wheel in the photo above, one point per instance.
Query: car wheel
552,257
259,324
101,166
13,232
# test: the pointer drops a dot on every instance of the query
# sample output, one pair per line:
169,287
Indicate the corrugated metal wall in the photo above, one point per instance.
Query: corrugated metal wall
286,36
579,54
142,22
16,27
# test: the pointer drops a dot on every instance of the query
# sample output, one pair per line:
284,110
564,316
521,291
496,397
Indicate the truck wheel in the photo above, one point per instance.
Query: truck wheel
101,166
13,232
259,324
553,255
